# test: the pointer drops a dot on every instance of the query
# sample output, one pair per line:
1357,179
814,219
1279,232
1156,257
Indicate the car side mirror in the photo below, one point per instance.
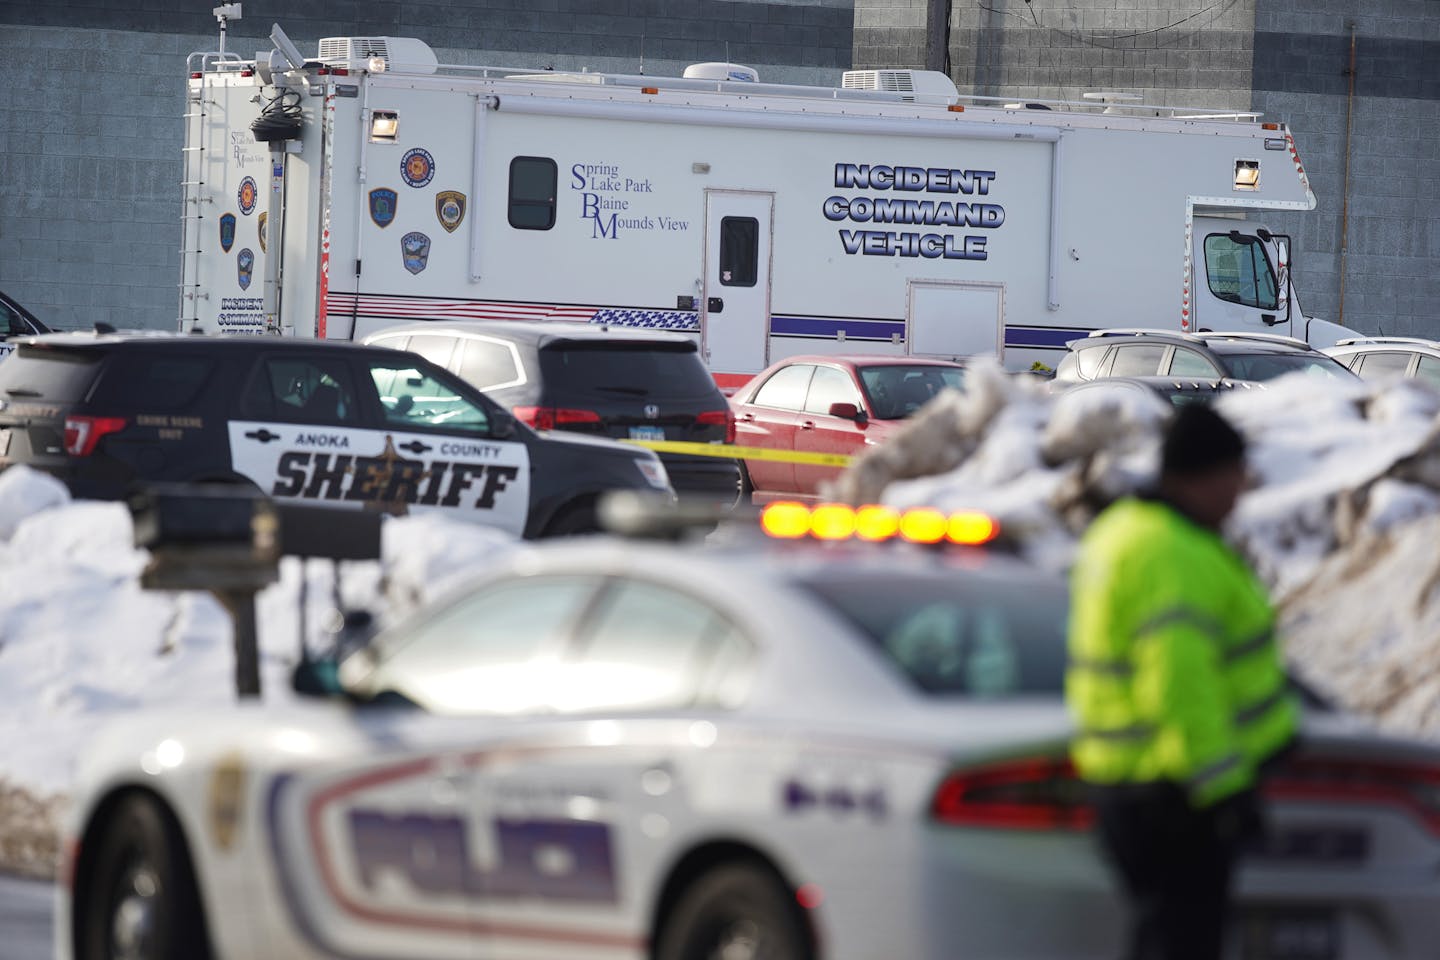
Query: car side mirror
847,411
502,425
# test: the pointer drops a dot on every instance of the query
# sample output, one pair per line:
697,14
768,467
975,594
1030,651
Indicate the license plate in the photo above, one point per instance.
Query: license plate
647,433
4,443
1291,935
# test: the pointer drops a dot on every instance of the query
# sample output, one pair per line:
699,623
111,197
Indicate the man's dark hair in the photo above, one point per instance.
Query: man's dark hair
1198,439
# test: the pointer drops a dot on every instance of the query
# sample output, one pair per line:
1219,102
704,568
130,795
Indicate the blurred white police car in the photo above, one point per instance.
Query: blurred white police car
783,750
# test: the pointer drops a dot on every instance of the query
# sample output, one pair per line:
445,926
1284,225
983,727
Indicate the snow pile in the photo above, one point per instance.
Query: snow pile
80,641
1341,518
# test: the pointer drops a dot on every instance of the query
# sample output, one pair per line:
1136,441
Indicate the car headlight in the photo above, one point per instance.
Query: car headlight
654,473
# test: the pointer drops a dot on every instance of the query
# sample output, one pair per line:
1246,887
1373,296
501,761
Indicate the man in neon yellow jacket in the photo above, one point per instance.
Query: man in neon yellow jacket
1177,688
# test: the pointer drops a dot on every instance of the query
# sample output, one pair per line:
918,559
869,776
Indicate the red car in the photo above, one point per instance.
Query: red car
823,404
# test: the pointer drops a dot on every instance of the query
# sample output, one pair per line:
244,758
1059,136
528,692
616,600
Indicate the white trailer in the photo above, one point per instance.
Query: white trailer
887,216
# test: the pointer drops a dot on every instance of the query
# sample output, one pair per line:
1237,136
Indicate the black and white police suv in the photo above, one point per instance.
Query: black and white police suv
329,424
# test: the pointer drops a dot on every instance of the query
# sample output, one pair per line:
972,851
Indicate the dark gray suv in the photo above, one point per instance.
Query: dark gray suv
1133,352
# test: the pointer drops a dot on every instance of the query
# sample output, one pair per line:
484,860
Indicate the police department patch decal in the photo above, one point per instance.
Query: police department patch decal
245,265
417,167
383,202
247,195
415,248
227,231
450,209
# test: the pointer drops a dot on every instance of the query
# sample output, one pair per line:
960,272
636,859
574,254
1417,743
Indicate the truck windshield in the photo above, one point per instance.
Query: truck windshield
1240,272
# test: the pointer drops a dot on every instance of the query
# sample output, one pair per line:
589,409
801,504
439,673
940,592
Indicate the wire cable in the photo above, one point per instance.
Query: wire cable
279,119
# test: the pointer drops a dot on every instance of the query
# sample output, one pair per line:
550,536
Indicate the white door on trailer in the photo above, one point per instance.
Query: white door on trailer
735,306
955,318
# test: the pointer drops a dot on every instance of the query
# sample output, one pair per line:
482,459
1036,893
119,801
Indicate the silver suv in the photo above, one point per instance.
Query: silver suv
1382,358
1140,352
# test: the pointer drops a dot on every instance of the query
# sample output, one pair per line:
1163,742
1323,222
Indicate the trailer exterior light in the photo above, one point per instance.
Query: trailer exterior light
384,126
649,89
1247,174
376,64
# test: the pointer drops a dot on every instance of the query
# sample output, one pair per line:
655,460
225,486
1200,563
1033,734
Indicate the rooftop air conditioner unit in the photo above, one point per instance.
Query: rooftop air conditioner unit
722,71
399,54
912,85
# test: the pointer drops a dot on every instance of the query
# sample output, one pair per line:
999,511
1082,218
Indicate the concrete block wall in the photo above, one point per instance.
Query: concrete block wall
91,97
1173,53
1385,240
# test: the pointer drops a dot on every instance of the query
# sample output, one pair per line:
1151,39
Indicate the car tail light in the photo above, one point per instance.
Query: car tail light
715,418
82,433
1414,788
1040,793
548,418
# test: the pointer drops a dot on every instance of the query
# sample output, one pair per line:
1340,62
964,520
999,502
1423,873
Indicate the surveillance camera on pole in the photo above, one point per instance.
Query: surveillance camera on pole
225,13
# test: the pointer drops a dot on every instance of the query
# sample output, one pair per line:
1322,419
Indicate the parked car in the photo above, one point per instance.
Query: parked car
828,405
618,382
16,321
1383,358
1138,352
621,749
328,423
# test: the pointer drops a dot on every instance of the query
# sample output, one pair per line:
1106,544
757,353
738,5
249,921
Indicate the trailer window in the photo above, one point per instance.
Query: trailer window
1240,272
532,193
739,251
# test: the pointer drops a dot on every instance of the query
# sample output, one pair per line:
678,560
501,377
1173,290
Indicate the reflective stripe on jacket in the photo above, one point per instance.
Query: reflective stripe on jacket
1174,671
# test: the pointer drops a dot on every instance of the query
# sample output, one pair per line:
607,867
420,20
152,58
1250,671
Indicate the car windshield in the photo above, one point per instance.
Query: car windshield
1268,366
957,634
618,369
896,391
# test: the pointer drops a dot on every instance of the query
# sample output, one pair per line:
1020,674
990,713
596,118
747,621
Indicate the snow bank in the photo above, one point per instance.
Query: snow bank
81,642
1340,520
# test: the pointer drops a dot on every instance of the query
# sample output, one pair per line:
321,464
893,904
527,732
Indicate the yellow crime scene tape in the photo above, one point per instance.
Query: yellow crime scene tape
731,452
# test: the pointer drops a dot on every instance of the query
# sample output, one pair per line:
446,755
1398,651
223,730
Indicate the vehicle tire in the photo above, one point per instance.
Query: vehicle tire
747,489
736,911
573,520
141,901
